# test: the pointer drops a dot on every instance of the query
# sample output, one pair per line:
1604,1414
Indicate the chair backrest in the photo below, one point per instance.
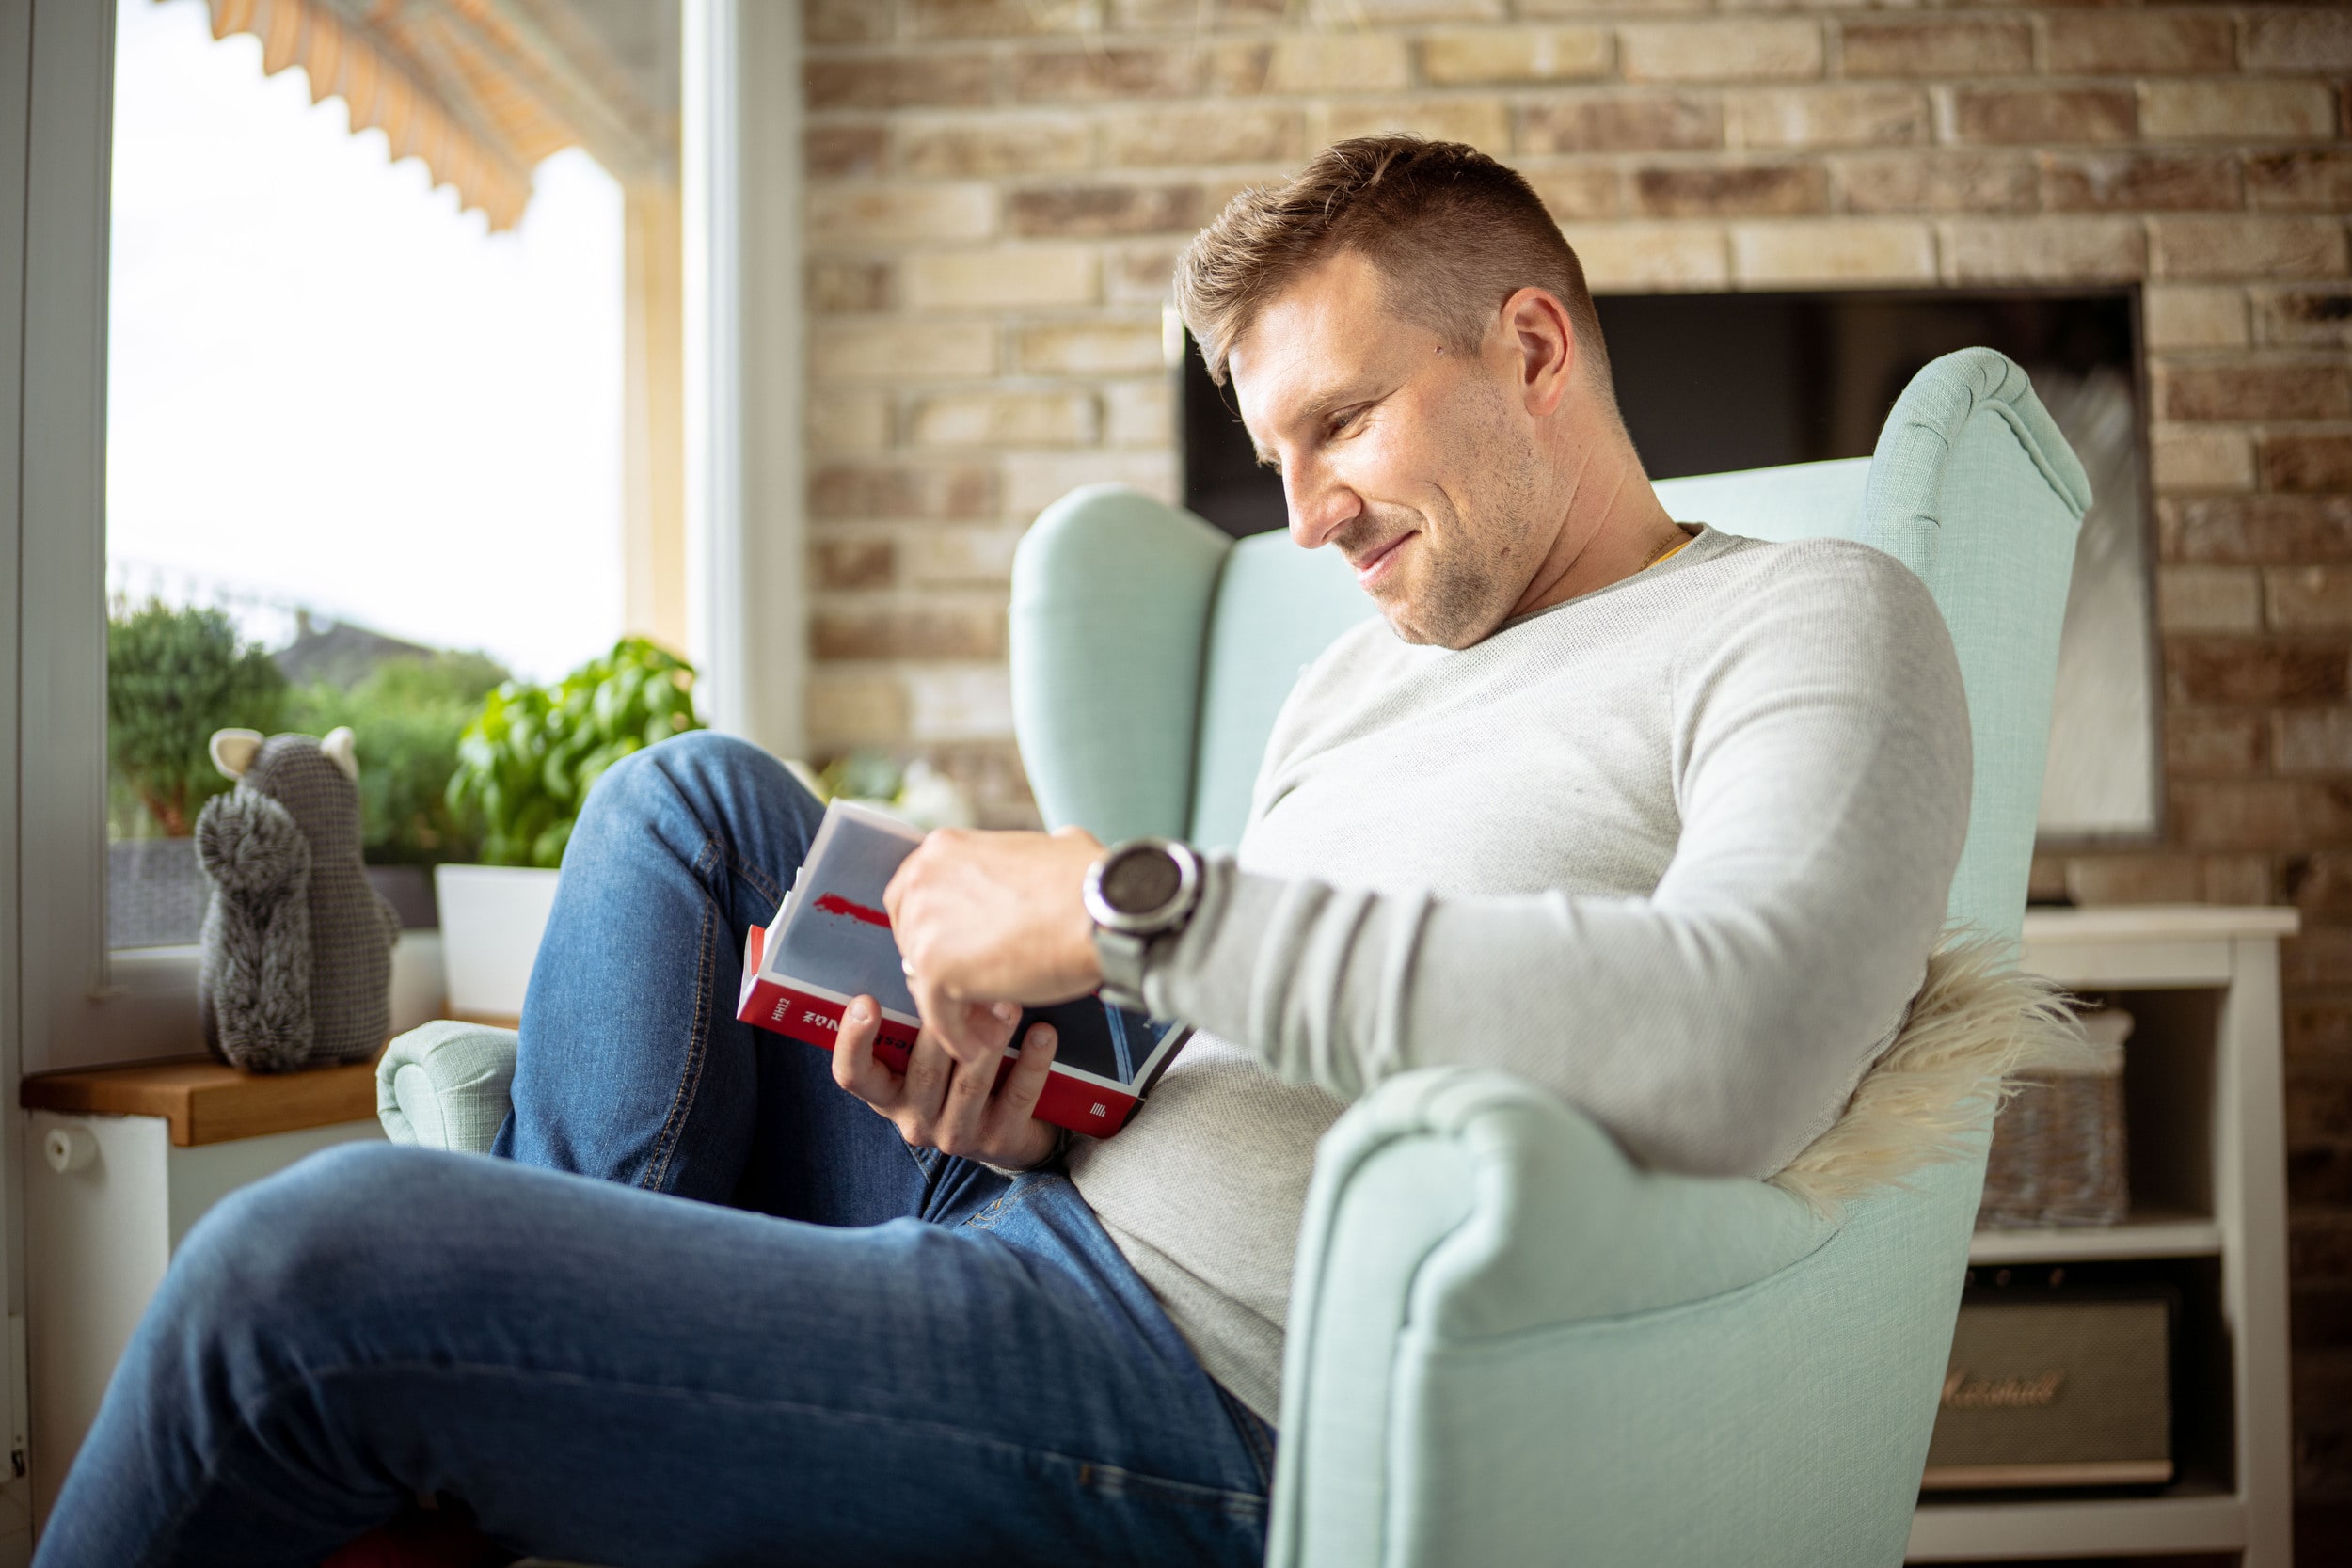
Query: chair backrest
1151,655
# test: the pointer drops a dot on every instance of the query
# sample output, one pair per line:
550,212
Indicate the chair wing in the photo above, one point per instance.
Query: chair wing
1111,592
1150,657
1974,488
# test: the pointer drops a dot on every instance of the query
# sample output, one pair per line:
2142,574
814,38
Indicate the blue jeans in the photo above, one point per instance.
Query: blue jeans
846,1351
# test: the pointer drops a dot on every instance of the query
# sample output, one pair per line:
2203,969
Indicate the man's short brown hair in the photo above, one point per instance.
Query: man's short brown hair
1452,233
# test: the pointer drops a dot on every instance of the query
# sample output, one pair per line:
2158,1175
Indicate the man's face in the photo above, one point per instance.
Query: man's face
1418,463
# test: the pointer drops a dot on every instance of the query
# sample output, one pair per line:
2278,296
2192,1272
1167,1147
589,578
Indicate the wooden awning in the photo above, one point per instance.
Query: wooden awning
480,89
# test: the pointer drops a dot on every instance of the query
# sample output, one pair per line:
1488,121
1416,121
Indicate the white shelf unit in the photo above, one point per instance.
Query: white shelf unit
2203,1118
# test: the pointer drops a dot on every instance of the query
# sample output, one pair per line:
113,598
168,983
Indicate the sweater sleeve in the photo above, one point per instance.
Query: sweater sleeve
1821,767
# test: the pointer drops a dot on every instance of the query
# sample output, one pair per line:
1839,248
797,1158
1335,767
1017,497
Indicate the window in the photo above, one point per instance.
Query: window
354,419
362,410
718,249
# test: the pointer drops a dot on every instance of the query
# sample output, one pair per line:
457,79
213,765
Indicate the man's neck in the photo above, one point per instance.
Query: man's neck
1613,527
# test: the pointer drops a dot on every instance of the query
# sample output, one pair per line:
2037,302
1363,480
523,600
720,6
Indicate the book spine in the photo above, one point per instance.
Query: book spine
817,1021
807,1016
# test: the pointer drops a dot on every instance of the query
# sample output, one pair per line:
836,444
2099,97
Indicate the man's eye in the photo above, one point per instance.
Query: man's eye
1340,421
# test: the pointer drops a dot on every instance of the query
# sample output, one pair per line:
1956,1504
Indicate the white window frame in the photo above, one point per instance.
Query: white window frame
747,610
57,81
76,1006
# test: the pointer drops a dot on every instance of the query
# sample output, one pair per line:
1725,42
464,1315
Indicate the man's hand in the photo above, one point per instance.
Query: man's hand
984,917
939,1102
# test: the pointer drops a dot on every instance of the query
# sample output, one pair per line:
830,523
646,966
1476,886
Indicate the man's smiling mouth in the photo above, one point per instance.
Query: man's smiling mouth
1373,567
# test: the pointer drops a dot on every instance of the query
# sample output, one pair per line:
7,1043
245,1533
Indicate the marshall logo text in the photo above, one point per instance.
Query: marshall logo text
1964,1392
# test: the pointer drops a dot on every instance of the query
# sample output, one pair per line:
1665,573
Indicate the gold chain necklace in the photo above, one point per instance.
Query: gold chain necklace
1670,551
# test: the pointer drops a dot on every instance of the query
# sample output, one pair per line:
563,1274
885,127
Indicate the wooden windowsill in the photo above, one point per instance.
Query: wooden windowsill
208,1101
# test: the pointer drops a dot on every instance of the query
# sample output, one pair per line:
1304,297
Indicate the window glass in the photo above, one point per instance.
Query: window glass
368,415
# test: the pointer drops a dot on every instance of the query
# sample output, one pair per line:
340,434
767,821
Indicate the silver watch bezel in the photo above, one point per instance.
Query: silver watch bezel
1148,923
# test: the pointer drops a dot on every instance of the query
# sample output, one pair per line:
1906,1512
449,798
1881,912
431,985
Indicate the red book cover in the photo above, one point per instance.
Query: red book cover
831,940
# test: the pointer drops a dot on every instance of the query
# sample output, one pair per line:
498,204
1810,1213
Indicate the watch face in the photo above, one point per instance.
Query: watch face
1141,880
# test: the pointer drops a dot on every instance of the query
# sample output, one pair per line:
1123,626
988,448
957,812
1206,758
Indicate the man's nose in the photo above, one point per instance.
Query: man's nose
1319,505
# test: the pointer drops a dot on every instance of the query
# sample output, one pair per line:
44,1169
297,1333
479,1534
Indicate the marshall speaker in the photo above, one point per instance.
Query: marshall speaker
2056,1387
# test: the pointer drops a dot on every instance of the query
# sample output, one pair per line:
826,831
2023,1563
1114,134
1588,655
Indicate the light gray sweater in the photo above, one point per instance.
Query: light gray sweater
1677,850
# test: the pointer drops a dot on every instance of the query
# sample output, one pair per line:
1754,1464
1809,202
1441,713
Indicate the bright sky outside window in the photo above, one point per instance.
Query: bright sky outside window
329,389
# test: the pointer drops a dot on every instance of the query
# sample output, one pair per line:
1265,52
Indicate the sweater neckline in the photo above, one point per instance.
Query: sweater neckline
1703,546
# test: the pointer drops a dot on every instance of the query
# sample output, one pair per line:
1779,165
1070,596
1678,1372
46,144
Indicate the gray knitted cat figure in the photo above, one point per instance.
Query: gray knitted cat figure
297,945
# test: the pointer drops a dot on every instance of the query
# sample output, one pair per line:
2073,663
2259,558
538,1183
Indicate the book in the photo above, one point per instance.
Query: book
831,940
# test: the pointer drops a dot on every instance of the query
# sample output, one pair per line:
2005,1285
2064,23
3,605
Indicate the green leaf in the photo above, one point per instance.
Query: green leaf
534,753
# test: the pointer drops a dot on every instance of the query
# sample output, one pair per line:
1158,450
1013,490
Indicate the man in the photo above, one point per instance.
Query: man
1656,817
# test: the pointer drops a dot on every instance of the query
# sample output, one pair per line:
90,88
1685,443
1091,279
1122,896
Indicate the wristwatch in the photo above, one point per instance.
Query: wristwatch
1140,889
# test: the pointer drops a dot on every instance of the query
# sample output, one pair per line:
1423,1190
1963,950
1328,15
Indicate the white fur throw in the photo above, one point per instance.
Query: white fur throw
1977,1023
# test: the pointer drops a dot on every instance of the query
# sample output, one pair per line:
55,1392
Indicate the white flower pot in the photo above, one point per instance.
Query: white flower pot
492,917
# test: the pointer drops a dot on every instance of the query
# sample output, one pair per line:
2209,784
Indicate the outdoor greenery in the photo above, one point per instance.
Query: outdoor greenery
456,761
406,717
173,676
526,764
861,775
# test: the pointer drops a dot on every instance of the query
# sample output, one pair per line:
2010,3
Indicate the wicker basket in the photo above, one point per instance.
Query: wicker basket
2058,1153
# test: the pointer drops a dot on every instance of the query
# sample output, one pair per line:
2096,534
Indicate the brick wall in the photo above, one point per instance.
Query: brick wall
998,188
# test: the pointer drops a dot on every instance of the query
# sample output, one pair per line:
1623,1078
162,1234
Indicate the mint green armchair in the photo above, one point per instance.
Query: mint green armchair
1507,1346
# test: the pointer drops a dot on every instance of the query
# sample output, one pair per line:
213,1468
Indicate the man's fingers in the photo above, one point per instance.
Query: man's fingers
938,1012
929,1068
1026,1081
965,1108
853,1065
973,1035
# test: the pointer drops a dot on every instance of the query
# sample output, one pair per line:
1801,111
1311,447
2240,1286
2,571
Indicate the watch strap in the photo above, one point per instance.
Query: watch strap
1122,957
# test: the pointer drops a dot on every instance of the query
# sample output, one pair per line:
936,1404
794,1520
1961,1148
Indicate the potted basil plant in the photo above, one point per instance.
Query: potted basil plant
524,769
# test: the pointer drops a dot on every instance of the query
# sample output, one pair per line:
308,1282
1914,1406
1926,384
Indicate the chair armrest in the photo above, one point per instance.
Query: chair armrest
1457,1209
446,1086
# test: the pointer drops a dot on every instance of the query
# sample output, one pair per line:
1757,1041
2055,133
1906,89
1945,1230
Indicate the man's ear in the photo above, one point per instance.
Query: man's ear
233,751
342,750
1543,340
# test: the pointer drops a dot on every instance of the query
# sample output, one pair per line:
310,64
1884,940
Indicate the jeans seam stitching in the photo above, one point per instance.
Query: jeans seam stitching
753,875
1246,1423
657,1169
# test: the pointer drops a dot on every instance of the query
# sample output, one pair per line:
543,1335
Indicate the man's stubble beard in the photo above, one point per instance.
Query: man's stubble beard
1469,574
